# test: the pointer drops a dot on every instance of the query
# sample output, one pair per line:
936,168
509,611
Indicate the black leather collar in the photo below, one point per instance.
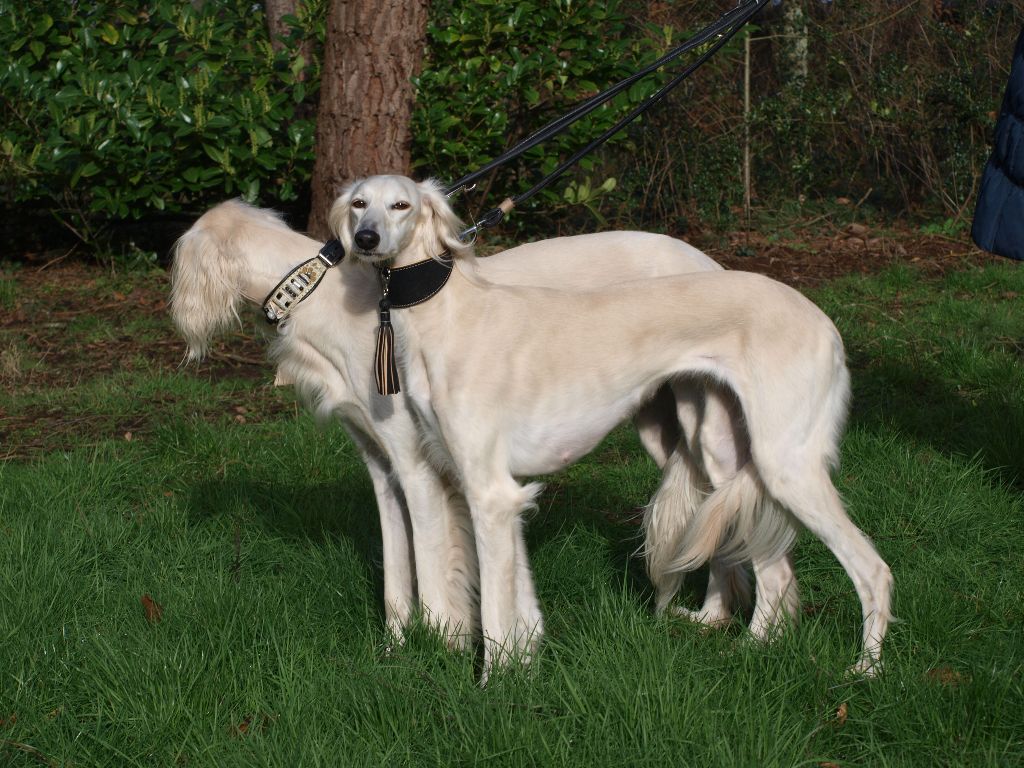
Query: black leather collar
415,283
403,287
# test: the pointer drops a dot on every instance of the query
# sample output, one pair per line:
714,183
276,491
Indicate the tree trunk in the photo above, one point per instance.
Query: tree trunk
372,51
276,10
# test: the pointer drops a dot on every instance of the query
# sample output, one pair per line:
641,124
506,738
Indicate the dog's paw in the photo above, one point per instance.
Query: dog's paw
867,667
394,639
709,619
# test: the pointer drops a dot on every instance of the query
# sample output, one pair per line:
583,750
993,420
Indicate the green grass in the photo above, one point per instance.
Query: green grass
261,543
7,292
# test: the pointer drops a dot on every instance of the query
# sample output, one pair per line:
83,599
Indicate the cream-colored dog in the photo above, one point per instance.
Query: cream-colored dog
235,254
511,381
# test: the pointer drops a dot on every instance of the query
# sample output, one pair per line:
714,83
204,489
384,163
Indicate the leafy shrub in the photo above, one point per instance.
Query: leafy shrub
118,109
497,70
898,102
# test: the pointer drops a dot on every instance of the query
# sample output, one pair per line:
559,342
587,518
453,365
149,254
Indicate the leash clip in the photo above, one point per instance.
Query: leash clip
331,253
490,219
463,188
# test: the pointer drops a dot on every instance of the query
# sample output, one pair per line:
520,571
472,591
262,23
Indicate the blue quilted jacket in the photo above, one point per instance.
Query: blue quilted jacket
999,215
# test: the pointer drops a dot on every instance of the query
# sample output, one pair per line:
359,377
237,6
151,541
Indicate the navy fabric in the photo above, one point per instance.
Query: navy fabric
999,214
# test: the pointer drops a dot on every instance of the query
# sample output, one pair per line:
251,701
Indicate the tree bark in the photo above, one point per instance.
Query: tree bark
372,52
276,10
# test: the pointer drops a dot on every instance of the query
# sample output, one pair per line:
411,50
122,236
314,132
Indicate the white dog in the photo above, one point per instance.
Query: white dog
513,381
236,253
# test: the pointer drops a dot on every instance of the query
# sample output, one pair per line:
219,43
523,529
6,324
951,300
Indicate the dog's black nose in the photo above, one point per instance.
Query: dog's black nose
367,239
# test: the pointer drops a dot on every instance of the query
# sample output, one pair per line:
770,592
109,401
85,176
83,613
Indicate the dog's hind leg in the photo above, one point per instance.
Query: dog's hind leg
777,599
723,446
726,582
441,551
715,435
658,427
462,573
665,520
527,605
662,436
679,412
683,412
807,491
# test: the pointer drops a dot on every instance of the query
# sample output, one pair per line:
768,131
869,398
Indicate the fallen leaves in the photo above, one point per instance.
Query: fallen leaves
858,237
252,724
243,727
153,610
842,713
947,676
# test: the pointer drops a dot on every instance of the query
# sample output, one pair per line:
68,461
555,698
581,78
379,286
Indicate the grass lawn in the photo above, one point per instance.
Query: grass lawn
253,539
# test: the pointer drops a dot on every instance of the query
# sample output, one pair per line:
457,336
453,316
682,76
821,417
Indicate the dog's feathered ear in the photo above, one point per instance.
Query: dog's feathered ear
337,217
439,222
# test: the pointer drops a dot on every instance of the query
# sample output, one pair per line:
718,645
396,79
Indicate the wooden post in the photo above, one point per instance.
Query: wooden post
746,127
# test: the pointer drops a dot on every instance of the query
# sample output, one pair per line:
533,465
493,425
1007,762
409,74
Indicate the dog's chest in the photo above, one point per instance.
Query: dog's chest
548,434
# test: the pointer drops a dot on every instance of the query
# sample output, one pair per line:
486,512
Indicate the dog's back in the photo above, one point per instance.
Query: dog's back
595,260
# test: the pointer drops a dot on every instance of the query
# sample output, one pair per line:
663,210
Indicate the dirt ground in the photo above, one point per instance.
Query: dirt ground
41,350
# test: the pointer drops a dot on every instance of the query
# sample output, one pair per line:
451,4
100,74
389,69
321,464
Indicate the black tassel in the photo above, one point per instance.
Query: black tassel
384,366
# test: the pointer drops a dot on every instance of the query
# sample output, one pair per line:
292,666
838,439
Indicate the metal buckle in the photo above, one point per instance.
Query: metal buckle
332,252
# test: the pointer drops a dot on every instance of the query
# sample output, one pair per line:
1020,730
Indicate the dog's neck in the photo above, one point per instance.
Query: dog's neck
410,254
415,283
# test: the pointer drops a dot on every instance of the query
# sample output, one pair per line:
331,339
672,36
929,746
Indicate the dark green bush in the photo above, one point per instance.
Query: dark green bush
497,70
116,110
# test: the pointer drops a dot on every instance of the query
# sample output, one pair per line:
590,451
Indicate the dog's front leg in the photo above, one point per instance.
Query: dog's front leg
399,589
527,606
443,551
511,630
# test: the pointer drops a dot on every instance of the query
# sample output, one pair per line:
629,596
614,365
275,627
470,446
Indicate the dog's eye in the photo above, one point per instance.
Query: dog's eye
401,205
358,203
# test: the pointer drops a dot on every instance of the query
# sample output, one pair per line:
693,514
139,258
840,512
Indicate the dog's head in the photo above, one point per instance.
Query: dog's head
382,218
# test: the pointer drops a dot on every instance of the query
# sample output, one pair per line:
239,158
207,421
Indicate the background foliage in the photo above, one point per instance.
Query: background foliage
118,111
897,106
498,70
115,110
